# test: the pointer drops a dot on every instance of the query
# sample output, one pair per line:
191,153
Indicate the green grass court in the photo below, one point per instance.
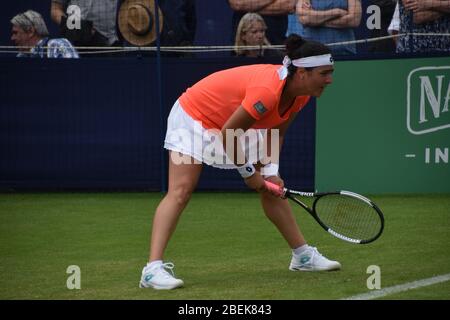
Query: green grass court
224,248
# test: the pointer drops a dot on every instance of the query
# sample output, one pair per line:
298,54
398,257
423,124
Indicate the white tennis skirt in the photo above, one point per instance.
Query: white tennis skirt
192,143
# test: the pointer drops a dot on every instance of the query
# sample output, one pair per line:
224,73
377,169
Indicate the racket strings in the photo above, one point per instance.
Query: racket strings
348,216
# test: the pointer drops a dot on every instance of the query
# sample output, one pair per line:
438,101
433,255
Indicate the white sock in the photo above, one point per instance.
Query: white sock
300,250
154,263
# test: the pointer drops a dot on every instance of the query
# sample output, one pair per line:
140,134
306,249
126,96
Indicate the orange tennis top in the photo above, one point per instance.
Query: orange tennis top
257,88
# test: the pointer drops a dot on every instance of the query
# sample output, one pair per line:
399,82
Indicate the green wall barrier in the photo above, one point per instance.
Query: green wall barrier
383,126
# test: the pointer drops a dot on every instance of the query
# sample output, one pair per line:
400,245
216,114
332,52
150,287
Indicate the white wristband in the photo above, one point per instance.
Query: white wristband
246,170
270,170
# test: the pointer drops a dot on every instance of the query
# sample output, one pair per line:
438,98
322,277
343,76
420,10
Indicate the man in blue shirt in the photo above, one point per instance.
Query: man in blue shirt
327,21
30,34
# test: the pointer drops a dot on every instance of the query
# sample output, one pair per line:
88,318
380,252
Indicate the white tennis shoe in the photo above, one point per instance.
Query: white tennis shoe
312,260
157,277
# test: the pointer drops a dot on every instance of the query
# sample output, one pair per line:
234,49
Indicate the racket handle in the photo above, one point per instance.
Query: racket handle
274,188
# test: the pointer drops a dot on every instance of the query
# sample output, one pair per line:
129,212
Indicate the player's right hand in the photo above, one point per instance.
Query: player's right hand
256,182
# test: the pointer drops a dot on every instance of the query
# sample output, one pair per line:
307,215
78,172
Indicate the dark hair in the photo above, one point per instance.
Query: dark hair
297,47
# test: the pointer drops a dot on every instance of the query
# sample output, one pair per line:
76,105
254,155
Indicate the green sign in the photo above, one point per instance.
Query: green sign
383,126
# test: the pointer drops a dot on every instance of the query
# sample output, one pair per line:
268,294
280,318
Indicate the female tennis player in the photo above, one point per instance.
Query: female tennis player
231,107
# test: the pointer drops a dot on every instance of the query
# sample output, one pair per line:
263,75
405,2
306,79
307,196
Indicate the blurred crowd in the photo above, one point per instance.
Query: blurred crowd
88,26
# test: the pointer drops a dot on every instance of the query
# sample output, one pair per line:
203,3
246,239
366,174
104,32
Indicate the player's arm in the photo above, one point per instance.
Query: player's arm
351,20
269,7
57,12
270,170
239,122
313,18
282,129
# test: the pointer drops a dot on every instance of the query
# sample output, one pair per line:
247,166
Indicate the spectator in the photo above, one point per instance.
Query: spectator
424,16
177,22
251,31
98,22
387,8
30,34
327,21
394,26
274,12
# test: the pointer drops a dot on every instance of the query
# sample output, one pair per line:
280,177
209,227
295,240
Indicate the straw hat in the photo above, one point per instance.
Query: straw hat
137,21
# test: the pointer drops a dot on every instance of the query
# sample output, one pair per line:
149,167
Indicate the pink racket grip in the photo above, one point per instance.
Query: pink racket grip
274,188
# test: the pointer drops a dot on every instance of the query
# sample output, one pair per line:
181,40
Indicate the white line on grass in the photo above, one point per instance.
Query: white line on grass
400,288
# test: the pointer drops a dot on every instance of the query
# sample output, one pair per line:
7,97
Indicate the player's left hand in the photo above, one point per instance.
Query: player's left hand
277,180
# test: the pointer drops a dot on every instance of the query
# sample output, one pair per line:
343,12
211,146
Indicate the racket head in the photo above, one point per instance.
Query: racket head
344,214
349,216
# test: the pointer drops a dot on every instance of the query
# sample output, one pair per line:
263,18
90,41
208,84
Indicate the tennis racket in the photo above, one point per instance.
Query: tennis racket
344,214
